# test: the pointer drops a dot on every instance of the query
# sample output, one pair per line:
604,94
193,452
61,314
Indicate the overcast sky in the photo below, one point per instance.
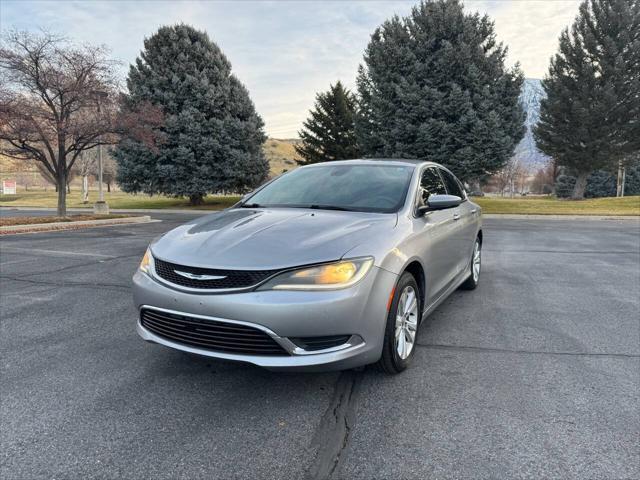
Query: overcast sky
284,51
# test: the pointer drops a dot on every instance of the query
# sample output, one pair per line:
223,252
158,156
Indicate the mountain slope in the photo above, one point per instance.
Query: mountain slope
281,155
526,151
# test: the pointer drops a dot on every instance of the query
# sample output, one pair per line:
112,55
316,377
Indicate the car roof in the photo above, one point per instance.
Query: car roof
376,161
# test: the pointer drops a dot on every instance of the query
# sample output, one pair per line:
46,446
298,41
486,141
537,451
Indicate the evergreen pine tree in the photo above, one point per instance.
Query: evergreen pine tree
590,118
211,137
329,132
434,86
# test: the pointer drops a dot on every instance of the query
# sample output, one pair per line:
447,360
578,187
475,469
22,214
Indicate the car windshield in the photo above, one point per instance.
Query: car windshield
362,188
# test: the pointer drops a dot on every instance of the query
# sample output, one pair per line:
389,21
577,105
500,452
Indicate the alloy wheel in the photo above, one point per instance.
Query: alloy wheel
406,322
475,266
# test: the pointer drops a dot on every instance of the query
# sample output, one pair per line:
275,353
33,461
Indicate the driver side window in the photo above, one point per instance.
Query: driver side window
453,186
431,184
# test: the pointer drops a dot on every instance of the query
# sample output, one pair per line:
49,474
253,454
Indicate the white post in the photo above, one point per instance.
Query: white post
619,180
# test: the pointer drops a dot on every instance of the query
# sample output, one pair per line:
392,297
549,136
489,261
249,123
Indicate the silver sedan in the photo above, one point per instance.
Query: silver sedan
330,266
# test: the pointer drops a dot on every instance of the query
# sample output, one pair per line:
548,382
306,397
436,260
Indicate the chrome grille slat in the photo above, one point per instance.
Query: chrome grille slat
320,343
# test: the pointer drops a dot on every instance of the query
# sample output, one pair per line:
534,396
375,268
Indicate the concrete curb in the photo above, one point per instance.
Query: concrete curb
114,210
59,226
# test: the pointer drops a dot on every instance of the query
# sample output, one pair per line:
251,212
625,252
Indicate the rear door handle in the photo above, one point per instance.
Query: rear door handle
473,211
456,216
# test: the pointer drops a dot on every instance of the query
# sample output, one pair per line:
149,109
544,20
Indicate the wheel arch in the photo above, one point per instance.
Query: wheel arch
416,269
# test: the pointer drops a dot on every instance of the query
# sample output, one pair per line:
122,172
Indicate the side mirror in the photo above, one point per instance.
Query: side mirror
440,202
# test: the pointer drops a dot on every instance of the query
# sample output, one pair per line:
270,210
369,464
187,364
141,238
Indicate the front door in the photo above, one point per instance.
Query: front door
436,230
463,236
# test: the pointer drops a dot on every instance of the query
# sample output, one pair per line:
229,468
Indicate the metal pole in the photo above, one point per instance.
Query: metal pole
100,206
100,192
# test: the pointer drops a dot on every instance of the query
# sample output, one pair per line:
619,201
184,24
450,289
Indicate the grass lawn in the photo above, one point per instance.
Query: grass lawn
520,205
553,206
114,199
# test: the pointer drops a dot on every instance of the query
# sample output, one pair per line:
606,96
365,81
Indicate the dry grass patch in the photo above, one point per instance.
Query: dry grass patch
121,200
554,206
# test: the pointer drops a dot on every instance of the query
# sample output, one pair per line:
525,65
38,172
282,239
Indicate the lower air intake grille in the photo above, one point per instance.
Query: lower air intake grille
210,334
229,279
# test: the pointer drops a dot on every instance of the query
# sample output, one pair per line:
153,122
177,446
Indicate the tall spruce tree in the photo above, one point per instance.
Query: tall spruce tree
591,116
434,86
211,138
329,132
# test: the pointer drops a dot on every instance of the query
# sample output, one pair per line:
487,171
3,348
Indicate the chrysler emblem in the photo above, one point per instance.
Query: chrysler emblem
195,276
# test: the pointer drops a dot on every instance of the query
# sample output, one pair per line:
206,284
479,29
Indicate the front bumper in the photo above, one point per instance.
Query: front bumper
359,311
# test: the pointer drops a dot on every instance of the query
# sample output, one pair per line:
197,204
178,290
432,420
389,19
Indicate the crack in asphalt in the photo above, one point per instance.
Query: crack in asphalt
331,439
437,346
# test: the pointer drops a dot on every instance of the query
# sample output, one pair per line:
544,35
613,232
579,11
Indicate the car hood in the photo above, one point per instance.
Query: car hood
268,239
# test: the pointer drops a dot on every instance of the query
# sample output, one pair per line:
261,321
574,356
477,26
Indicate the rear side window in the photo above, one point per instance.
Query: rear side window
431,184
453,186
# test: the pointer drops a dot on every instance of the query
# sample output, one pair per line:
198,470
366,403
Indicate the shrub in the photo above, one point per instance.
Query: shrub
564,186
600,184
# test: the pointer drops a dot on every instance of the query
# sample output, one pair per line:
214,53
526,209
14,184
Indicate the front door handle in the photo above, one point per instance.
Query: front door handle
456,216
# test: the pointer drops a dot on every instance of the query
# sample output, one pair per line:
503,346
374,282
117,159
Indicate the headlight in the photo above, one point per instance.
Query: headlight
330,276
146,262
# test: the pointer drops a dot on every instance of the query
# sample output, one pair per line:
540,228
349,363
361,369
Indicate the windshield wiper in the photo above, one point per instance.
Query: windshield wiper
330,207
250,205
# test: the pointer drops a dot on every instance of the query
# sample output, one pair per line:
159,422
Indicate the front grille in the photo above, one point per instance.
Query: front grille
232,278
210,334
320,343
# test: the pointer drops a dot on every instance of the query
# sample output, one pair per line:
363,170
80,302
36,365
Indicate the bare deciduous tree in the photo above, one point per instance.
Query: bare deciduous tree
109,170
48,95
511,178
85,166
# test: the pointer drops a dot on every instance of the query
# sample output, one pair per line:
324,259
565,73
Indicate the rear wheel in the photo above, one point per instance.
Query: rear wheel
474,268
401,331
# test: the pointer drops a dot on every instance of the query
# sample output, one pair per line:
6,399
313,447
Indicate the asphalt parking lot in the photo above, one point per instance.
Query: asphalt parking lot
534,374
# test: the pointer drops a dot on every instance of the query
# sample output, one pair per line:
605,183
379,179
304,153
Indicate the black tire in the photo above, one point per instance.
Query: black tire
390,362
472,282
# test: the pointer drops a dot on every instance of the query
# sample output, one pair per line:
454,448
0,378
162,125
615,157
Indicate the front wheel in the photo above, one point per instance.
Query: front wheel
401,331
474,268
